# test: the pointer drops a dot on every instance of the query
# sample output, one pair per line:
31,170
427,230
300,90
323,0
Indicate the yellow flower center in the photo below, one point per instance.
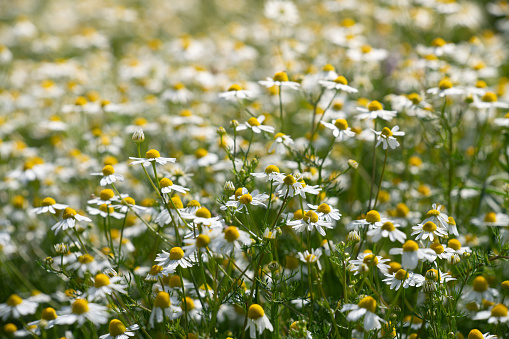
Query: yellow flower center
324,208
105,208
370,259
366,49
310,258
101,280
165,182
438,248
152,154
433,213
475,334
116,327
289,180
328,68
490,217
388,226
454,244
85,259
410,246
430,226
341,80
246,199
341,124
310,216
255,312
177,202
174,281
48,201
386,132
253,121
80,306
415,98
373,216
179,86
374,106
129,201
281,76
200,153
162,300
231,233
108,170
193,203
489,97
203,213
106,194
445,83
234,87
368,303
49,314
401,274
176,253
14,300
401,210
271,169
189,304
438,42
202,240
481,84
68,213
499,310
480,284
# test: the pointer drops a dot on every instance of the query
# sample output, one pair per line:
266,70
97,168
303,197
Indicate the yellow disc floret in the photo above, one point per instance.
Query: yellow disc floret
341,124
281,76
162,300
68,213
401,274
116,327
14,300
202,241
368,303
203,212
108,170
101,280
231,233
323,208
499,310
152,154
386,132
480,284
176,253
271,169
475,334
49,314
388,226
253,121
429,226
410,246
106,194
80,306
48,201
373,216
374,106
255,312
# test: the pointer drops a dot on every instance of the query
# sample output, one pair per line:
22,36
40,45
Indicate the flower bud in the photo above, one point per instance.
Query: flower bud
353,164
221,131
229,186
48,260
61,248
429,286
138,136
454,259
234,124
273,266
353,236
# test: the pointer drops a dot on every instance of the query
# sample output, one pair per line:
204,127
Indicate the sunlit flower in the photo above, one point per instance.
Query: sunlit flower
173,259
164,306
387,230
257,320
105,285
375,110
403,278
69,218
109,176
365,308
366,261
255,124
48,205
339,129
310,221
280,79
16,307
386,137
80,311
117,330
311,257
152,156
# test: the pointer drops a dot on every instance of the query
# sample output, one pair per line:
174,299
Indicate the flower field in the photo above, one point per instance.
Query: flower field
254,169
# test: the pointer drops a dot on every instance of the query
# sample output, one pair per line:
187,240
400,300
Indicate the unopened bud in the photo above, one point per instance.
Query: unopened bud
48,260
273,266
429,286
138,136
234,124
353,236
454,259
61,248
221,131
353,164
229,186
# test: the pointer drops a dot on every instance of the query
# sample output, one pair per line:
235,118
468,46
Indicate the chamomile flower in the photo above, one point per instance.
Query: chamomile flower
255,124
167,186
310,221
436,216
87,263
489,100
106,196
152,156
497,314
411,254
311,257
281,143
451,226
173,259
242,199
387,230
365,308
178,94
109,176
16,307
481,291
105,211
235,92
204,217
105,285
368,260
48,205
48,316
428,230
326,211
192,307
280,79
375,110
271,173
128,203
403,278
231,238
445,88
257,320
386,137
69,218
476,334
338,84
441,251
164,306
157,272
456,246
200,243
492,219
373,220
80,311
117,330
339,129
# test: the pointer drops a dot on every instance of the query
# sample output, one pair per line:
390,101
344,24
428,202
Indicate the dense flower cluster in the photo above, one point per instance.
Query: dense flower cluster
204,169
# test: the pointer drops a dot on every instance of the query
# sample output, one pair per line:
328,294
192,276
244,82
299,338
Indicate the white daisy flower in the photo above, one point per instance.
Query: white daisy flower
128,203
281,143
69,218
428,230
456,246
151,157
373,220
437,217
105,211
339,129
366,260
288,185
81,311
387,230
232,238
441,251
481,290
375,110
104,285
16,307
157,272
386,137
445,88
192,308
365,308
167,186
117,330
489,100
242,199
451,226
48,316
164,306
179,94
109,176
281,80
497,314
492,219
235,92
476,334
204,217
199,243
48,205
106,196
255,124
173,259
310,221
327,212
309,258
411,254
87,263
257,320
338,84
403,278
